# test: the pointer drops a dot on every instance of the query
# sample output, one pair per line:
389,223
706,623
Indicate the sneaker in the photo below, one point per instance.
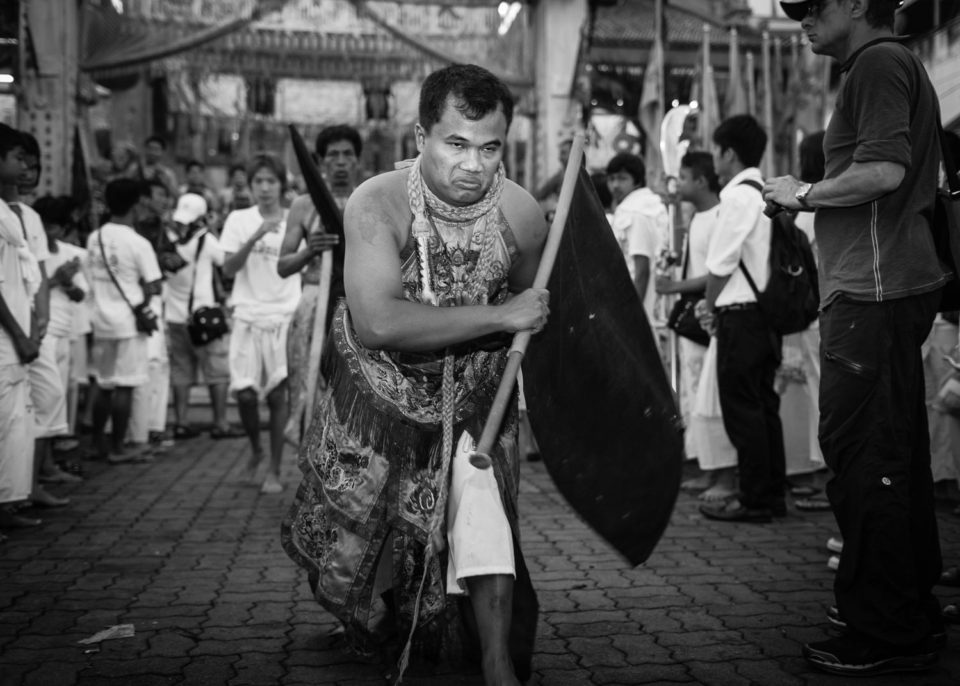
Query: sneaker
833,562
835,545
855,655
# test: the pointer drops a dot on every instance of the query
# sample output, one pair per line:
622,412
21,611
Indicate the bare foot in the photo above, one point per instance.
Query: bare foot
499,672
271,485
252,468
699,483
717,494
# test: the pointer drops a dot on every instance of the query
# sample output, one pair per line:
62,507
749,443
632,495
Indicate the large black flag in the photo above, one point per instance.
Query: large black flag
597,393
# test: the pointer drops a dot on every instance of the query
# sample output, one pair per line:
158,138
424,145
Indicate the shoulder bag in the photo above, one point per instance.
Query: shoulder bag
207,324
146,318
683,319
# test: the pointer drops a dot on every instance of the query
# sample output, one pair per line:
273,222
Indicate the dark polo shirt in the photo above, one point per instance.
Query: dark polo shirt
886,111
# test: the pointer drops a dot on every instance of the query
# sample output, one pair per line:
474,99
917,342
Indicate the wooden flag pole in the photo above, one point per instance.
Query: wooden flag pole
480,457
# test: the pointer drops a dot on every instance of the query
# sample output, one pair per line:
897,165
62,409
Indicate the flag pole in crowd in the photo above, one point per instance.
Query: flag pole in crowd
768,161
480,458
751,86
709,104
652,101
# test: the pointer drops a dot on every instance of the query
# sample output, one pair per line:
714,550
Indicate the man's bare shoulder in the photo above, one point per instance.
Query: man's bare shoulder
302,204
522,211
377,202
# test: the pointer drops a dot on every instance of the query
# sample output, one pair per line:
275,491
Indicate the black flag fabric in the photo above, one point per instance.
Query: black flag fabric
329,212
597,393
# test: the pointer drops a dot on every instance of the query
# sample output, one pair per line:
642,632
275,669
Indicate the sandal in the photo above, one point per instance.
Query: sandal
813,505
950,577
217,433
182,431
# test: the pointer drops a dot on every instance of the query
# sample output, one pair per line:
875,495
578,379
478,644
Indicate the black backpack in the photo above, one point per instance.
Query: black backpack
791,300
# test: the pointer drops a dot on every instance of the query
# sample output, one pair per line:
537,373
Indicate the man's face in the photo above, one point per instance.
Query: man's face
159,199
12,166
195,176
461,156
152,152
722,162
827,26
620,184
239,179
266,187
30,178
340,165
687,185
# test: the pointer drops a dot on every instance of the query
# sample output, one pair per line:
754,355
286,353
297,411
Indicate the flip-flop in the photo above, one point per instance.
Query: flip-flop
813,505
950,577
217,433
803,491
950,614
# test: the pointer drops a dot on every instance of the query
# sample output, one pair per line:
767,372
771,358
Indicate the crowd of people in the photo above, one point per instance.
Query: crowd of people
176,285
404,536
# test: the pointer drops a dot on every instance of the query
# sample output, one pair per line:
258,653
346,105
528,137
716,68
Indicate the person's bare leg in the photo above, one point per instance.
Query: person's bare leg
492,599
101,400
249,409
181,400
218,399
277,402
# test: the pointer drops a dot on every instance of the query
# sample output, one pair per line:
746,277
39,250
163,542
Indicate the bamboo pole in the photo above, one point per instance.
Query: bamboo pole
480,458
768,165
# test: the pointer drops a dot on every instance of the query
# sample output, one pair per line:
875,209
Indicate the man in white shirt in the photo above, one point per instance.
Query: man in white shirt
120,356
20,280
264,303
46,389
748,350
187,290
640,223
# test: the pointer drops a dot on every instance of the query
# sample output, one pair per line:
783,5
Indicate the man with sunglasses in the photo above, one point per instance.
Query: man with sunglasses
880,284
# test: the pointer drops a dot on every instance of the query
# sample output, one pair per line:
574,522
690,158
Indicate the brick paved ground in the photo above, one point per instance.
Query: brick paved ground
191,557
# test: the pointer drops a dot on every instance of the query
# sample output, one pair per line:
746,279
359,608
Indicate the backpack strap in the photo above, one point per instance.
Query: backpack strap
757,186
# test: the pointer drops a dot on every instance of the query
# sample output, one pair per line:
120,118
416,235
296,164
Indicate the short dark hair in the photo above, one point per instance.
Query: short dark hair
155,138
700,164
152,183
599,181
54,210
266,160
881,14
630,163
334,134
476,93
31,146
744,135
812,162
121,195
10,139
194,163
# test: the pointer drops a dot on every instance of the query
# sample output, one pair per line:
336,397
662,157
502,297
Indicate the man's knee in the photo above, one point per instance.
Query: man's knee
247,396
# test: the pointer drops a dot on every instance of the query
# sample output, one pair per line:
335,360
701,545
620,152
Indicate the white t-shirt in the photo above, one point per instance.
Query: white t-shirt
132,261
36,235
701,226
199,274
641,225
742,233
259,293
67,316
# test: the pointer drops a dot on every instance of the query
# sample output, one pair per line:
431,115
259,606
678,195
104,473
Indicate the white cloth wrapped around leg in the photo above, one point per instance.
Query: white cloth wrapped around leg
478,533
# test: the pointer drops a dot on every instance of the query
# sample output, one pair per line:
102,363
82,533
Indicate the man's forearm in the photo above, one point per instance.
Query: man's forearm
292,263
235,262
860,183
9,323
41,301
715,285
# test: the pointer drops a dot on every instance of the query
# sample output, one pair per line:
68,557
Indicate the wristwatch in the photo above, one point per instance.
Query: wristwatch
801,195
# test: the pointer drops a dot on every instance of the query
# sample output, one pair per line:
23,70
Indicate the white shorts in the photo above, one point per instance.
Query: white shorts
258,356
16,434
47,391
120,362
478,532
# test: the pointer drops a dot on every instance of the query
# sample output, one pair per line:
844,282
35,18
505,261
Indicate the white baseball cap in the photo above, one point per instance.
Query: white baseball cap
190,208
